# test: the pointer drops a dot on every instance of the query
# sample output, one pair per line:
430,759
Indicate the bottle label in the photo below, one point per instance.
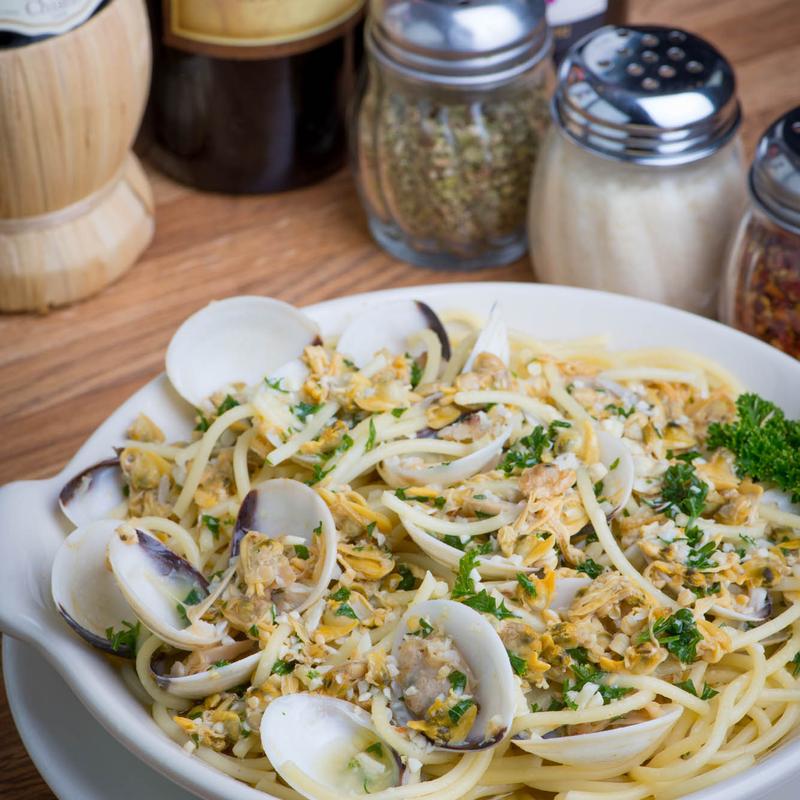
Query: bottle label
254,29
44,17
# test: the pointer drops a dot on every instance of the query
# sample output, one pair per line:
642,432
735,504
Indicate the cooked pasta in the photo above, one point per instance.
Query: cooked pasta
637,588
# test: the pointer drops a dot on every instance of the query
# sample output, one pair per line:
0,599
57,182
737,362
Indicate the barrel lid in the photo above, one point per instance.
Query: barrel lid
459,42
647,94
775,174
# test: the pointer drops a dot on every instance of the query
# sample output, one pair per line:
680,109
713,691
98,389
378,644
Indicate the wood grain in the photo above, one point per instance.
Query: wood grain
63,373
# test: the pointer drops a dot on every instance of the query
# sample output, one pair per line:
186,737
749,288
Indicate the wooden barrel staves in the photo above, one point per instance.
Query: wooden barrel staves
76,209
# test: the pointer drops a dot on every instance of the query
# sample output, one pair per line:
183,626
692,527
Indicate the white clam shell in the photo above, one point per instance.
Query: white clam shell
388,326
565,592
240,339
492,567
492,339
83,587
154,581
395,473
285,507
320,735
615,745
758,608
92,494
482,649
618,482
216,679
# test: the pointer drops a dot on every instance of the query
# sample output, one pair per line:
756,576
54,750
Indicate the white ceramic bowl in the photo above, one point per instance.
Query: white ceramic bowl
32,526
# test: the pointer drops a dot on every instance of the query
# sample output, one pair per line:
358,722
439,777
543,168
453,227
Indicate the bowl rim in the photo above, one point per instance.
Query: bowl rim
31,615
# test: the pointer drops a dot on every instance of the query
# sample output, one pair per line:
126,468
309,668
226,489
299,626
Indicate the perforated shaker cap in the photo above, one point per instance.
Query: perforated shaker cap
459,42
646,94
775,174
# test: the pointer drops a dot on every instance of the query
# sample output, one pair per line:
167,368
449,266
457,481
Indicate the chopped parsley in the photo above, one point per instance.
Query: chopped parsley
304,410
464,585
688,686
276,385
318,530
457,680
398,412
400,494
125,638
678,633
425,629
221,663
526,583
371,438
301,551
620,411
795,662
527,452
416,371
282,667
586,672
212,523
376,749
226,405
346,610
407,579
317,474
700,558
253,631
439,501
682,490
590,567
453,541
459,709
486,604
202,422
341,594
519,665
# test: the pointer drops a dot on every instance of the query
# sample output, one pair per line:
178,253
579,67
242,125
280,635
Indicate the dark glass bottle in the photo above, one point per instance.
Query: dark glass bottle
246,119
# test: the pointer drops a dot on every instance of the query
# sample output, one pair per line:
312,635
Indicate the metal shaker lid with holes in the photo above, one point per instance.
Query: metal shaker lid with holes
646,95
775,174
460,43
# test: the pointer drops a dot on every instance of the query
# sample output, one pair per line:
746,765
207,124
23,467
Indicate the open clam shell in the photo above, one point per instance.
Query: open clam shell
329,742
84,589
608,747
565,592
237,340
93,493
232,669
492,339
399,471
757,609
388,326
477,643
618,482
492,567
284,507
160,587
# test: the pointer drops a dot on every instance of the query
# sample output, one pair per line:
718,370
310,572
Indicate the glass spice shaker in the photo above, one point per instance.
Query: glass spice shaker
448,127
640,181
761,290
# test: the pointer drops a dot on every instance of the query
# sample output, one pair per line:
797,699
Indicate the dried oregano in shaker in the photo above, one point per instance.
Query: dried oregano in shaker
448,127
761,292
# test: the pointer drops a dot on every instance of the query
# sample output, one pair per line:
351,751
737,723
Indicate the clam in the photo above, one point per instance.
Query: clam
493,339
489,566
565,592
208,670
454,683
93,494
288,508
161,588
388,326
618,481
607,747
413,471
237,340
317,741
84,589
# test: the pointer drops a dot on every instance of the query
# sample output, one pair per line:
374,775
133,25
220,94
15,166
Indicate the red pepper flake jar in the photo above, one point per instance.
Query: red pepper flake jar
761,289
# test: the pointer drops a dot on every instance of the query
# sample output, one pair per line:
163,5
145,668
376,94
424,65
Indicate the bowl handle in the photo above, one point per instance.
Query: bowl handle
30,540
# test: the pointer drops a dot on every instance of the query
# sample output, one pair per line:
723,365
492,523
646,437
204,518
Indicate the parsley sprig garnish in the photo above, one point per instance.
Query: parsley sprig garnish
678,633
528,451
765,444
683,490
464,590
124,639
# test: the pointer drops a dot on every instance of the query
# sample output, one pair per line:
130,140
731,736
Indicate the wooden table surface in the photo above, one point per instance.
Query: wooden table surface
63,373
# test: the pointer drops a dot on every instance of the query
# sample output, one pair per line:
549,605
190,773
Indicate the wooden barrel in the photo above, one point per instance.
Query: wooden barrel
76,209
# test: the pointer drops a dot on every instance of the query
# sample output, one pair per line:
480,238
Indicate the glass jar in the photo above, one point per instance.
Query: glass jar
761,289
445,139
640,182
